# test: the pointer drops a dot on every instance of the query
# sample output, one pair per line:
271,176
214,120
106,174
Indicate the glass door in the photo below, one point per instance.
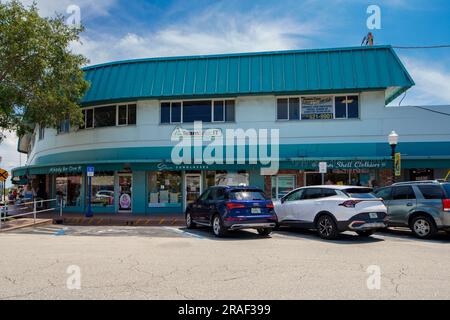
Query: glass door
125,192
193,183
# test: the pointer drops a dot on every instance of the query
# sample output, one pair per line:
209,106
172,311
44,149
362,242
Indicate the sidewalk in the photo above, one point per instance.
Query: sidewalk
119,219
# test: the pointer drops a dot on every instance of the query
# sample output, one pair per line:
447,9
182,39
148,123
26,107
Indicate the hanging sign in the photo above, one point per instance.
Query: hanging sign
398,165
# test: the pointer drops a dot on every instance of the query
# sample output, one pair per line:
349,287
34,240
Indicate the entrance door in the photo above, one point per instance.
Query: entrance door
193,184
125,192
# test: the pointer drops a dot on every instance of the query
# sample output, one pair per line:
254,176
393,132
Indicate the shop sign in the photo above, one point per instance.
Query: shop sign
196,133
355,164
65,169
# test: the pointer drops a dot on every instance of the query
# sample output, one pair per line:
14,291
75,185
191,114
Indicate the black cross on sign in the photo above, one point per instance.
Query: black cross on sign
3,175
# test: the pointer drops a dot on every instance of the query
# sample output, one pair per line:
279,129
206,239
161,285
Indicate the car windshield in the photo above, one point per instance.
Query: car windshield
447,189
242,195
360,193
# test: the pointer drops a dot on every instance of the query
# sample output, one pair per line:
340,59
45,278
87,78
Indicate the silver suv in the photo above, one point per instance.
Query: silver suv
423,206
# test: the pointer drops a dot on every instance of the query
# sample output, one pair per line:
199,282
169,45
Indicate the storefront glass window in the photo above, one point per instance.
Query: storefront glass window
103,189
232,179
69,188
164,189
282,185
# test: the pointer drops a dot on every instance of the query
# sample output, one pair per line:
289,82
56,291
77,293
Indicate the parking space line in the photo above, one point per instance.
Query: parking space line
193,235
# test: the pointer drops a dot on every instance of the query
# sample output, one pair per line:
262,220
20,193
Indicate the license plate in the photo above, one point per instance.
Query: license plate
256,210
373,215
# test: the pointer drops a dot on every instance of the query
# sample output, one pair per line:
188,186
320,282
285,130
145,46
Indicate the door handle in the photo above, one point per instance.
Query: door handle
409,204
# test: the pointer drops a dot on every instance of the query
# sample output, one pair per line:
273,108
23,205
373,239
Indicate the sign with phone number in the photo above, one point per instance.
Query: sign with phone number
317,108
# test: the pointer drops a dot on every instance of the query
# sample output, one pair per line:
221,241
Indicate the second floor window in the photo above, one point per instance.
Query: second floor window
64,126
318,108
203,110
109,116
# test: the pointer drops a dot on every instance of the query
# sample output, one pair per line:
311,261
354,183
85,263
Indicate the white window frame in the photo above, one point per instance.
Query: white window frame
170,102
117,105
334,96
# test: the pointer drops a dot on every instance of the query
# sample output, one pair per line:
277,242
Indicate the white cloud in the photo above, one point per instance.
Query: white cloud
432,83
212,31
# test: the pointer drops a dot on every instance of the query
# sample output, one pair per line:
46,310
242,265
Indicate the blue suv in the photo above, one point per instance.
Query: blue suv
232,208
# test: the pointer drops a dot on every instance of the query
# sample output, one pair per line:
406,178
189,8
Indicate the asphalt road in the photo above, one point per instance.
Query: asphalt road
171,263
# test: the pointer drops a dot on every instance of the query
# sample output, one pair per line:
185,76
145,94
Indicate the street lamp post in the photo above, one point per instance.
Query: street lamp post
393,141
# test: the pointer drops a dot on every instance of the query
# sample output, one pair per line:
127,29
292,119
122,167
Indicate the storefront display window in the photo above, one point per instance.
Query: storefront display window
69,188
164,189
232,179
102,189
282,185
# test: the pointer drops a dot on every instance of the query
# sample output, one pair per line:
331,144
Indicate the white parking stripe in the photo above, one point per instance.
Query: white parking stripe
176,230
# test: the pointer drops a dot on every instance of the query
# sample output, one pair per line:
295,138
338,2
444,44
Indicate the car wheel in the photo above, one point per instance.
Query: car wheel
326,227
189,223
264,232
423,227
218,228
366,233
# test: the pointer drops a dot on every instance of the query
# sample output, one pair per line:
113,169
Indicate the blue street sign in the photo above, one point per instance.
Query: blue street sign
90,174
90,171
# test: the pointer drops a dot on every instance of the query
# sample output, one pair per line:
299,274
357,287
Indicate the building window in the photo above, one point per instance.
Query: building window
347,107
64,126
132,114
283,109
41,132
197,111
109,116
105,117
219,111
318,108
126,115
69,188
282,185
203,110
164,189
102,191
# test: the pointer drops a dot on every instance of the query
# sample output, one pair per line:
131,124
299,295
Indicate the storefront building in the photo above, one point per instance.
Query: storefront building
329,105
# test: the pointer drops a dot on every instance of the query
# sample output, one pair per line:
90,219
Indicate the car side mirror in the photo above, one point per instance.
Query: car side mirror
283,200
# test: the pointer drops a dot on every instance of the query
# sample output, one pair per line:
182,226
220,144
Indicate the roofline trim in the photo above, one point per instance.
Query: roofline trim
245,54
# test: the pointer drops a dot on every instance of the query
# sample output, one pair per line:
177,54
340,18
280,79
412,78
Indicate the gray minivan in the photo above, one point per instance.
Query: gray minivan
423,206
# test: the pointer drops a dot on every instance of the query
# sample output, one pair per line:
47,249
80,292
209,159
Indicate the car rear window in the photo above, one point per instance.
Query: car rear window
242,195
360,193
432,191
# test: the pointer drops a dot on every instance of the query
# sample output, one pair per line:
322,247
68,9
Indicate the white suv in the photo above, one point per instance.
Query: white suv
332,209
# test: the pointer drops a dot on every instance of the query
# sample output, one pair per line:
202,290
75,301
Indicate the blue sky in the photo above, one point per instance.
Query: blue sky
119,29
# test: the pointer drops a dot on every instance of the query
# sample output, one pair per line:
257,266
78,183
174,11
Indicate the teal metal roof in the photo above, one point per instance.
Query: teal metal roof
284,72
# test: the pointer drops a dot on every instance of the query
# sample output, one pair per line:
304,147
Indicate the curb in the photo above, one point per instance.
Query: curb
141,222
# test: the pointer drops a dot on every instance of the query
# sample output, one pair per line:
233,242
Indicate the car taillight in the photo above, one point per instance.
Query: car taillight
270,205
234,205
446,204
350,203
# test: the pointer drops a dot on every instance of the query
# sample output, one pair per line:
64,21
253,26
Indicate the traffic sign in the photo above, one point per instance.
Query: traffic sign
323,167
90,171
3,175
